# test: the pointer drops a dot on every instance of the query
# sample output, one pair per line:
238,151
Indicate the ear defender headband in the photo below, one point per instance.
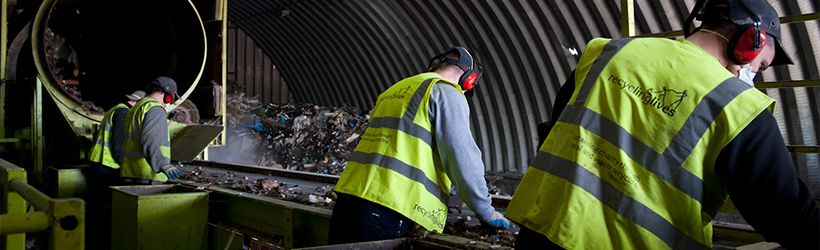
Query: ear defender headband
466,62
748,40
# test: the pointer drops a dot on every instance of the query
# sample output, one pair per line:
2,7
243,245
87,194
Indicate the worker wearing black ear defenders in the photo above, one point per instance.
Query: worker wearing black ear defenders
147,148
417,145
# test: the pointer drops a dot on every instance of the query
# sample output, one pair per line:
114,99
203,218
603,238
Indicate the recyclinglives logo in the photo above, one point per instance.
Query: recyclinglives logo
666,100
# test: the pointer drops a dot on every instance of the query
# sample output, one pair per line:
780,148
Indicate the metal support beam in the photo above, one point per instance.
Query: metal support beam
803,149
800,18
38,199
788,84
288,227
627,18
68,230
12,203
37,130
21,223
224,74
4,34
783,20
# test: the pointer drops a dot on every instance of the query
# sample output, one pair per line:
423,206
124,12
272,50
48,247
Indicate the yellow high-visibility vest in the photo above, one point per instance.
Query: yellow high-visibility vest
630,162
101,151
394,164
134,164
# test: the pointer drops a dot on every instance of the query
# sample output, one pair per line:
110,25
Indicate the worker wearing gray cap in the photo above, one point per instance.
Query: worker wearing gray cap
417,144
147,149
107,150
651,136
104,170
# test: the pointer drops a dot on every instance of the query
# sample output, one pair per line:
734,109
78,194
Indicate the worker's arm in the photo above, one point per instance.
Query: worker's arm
760,177
154,134
118,133
450,116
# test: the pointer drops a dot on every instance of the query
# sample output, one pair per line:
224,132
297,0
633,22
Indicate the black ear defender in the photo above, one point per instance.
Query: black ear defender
748,40
467,63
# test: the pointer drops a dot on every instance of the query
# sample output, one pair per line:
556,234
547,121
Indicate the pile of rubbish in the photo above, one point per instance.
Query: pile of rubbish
65,71
497,238
303,136
482,233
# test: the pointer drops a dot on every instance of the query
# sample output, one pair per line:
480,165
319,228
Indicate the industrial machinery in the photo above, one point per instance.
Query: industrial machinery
69,60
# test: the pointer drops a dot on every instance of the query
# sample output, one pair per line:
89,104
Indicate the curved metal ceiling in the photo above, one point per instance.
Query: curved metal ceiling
346,52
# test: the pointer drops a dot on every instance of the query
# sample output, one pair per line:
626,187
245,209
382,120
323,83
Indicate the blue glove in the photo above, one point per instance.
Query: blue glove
498,221
171,171
452,192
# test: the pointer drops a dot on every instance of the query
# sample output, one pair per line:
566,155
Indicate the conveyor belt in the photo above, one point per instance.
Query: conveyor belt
226,178
262,216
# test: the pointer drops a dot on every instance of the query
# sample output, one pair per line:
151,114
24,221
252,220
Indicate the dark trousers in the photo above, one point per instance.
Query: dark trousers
357,220
529,239
98,205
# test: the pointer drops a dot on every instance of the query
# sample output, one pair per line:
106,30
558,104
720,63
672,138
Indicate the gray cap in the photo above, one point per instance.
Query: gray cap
136,95
770,21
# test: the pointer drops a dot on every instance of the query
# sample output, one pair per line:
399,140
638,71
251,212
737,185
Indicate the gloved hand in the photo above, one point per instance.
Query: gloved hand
171,171
452,192
498,221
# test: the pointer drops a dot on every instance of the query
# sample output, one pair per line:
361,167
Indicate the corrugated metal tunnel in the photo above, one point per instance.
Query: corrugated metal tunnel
346,52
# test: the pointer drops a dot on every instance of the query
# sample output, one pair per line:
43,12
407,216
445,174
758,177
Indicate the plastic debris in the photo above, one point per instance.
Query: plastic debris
297,136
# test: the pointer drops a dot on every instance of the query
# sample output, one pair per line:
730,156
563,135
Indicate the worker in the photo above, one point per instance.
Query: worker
107,150
651,136
104,170
147,149
418,142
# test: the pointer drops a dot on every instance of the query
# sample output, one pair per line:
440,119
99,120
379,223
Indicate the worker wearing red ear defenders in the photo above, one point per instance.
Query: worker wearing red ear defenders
147,148
650,137
418,143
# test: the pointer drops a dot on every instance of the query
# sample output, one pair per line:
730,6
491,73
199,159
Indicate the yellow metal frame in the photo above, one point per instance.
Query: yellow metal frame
787,84
783,20
64,218
628,18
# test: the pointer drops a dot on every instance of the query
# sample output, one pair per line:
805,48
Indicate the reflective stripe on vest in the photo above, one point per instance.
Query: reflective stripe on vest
626,167
395,163
134,164
101,151
612,197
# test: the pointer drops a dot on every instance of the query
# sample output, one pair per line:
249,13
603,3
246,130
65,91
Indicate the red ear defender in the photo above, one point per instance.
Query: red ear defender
171,98
743,47
745,50
468,81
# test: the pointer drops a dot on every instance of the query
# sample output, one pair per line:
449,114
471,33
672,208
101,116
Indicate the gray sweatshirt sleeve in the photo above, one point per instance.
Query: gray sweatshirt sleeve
450,116
154,133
